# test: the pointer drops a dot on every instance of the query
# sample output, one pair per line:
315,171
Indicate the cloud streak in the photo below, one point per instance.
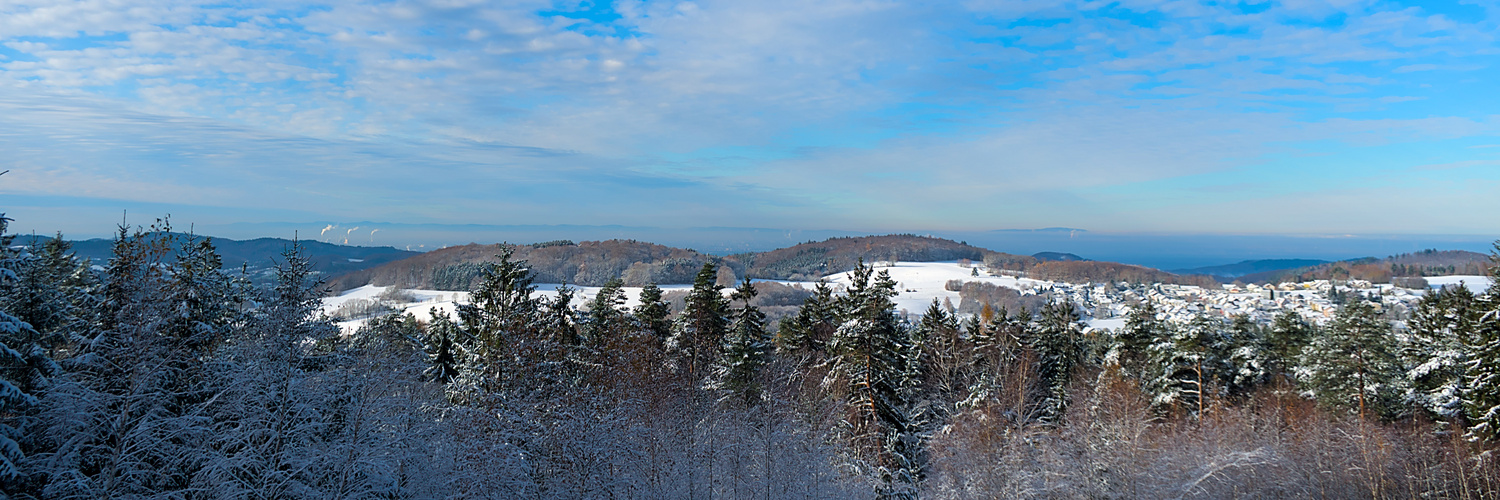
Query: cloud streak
854,114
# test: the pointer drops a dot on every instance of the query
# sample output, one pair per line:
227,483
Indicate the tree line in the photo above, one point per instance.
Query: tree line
162,375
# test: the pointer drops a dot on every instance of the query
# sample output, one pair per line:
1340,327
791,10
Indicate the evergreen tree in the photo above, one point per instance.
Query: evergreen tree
1192,363
1131,347
1059,350
606,317
653,313
807,333
25,372
1434,349
943,363
499,325
1353,364
1288,336
1482,372
746,351
1248,365
442,348
869,354
701,327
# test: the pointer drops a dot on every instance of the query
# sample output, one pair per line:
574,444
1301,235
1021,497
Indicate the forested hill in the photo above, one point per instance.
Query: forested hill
259,256
590,263
594,263
811,260
1424,263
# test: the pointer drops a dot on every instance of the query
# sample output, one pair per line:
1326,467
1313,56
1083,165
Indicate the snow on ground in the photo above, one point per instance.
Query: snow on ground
921,282
1476,284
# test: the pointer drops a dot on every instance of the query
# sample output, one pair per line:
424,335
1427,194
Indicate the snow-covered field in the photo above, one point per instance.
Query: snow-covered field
919,283
1476,284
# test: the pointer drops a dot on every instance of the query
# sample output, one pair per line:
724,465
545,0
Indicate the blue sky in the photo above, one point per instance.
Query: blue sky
1293,117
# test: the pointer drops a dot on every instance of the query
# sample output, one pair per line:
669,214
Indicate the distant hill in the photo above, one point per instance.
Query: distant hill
1057,257
590,263
258,256
1424,263
1251,267
811,260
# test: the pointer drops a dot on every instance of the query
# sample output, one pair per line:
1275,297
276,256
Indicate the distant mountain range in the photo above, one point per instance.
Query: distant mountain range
258,256
1243,268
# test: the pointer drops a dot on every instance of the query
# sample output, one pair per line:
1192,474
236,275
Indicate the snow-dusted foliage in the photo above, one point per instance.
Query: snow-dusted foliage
163,376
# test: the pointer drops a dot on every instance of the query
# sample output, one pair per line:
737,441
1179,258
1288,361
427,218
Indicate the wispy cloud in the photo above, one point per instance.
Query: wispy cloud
845,113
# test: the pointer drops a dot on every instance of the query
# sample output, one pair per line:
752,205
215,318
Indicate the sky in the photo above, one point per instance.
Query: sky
1223,118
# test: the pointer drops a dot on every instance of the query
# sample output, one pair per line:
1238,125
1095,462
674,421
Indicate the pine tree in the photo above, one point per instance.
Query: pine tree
807,333
944,364
1288,336
499,325
869,366
746,350
1353,364
1248,365
25,371
653,314
1192,363
605,317
701,327
1434,349
277,409
1059,350
1131,347
442,348
1482,372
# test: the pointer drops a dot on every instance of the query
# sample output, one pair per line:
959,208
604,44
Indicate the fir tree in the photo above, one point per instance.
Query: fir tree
1192,362
807,333
1247,366
1482,372
869,355
25,371
606,317
1131,347
701,327
1353,364
1434,349
499,324
442,348
746,350
653,313
1288,336
1059,350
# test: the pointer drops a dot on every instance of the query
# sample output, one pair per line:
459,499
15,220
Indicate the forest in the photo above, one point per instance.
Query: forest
160,374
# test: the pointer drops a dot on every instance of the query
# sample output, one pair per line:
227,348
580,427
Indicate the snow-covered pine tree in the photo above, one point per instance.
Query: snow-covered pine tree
807,333
653,314
1353,365
944,360
275,412
127,419
1482,396
1434,349
499,326
1059,350
700,329
1247,366
606,317
25,370
1191,363
1130,350
442,348
868,356
747,349
1287,337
